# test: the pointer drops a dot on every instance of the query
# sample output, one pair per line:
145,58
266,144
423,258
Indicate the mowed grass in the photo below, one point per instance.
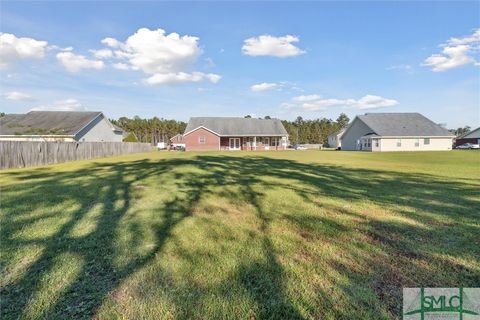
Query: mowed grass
254,235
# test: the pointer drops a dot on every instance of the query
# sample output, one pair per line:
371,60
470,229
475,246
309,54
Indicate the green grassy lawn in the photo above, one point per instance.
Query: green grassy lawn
258,235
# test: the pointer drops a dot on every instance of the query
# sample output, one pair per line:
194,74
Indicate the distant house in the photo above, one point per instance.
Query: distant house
395,132
470,137
58,126
118,129
222,133
334,140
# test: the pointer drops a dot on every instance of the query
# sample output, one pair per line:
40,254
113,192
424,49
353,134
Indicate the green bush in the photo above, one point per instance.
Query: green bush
130,138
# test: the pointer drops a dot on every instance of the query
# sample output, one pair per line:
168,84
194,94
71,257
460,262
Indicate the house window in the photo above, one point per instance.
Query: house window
417,142
375,142
274,142
201,140
399,142
369,143
426,141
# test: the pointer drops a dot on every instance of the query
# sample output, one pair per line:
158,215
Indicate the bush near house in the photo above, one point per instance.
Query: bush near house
131,137
287,235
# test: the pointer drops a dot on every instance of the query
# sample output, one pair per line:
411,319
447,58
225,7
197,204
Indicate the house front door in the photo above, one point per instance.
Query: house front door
266,143
234,144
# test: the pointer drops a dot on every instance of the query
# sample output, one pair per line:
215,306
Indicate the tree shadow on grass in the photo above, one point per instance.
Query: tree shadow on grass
427,200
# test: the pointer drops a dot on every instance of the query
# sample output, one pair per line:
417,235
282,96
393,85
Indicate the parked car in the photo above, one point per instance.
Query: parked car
177,146
299,147
468,146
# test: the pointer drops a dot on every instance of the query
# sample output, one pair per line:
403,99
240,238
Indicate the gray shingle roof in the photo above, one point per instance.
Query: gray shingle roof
229,126
45,122
402,124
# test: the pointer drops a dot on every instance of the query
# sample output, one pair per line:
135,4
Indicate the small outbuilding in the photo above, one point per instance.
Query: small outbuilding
395,132
59,126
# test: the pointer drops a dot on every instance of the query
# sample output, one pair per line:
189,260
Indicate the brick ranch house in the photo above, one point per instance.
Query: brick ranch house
228,133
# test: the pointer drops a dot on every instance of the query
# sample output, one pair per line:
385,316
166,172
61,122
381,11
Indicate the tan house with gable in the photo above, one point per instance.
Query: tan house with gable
395,132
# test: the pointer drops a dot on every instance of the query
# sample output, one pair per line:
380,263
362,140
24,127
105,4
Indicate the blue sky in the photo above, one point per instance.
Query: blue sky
314,59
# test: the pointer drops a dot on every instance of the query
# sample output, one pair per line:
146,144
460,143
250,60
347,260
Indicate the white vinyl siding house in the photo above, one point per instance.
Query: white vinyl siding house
351,136
375,143
334,140
395,132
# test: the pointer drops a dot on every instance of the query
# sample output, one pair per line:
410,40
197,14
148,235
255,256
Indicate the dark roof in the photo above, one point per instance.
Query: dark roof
229,126
402,124
46,122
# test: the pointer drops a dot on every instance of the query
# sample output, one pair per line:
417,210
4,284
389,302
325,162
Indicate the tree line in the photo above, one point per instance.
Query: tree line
315,130
152,130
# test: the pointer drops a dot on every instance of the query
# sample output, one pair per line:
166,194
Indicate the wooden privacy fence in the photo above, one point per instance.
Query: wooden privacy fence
23,154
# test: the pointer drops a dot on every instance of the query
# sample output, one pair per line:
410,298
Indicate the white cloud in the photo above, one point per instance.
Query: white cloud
17,96
180,77
373,102
63,105
214,78
307,98
121,66
474,38
74,63
456,52
111,42
278,86
267,45
13,49
265,86
102,53
295,88
167,58
315,102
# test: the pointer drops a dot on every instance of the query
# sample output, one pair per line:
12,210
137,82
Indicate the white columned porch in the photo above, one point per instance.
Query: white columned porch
255,143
